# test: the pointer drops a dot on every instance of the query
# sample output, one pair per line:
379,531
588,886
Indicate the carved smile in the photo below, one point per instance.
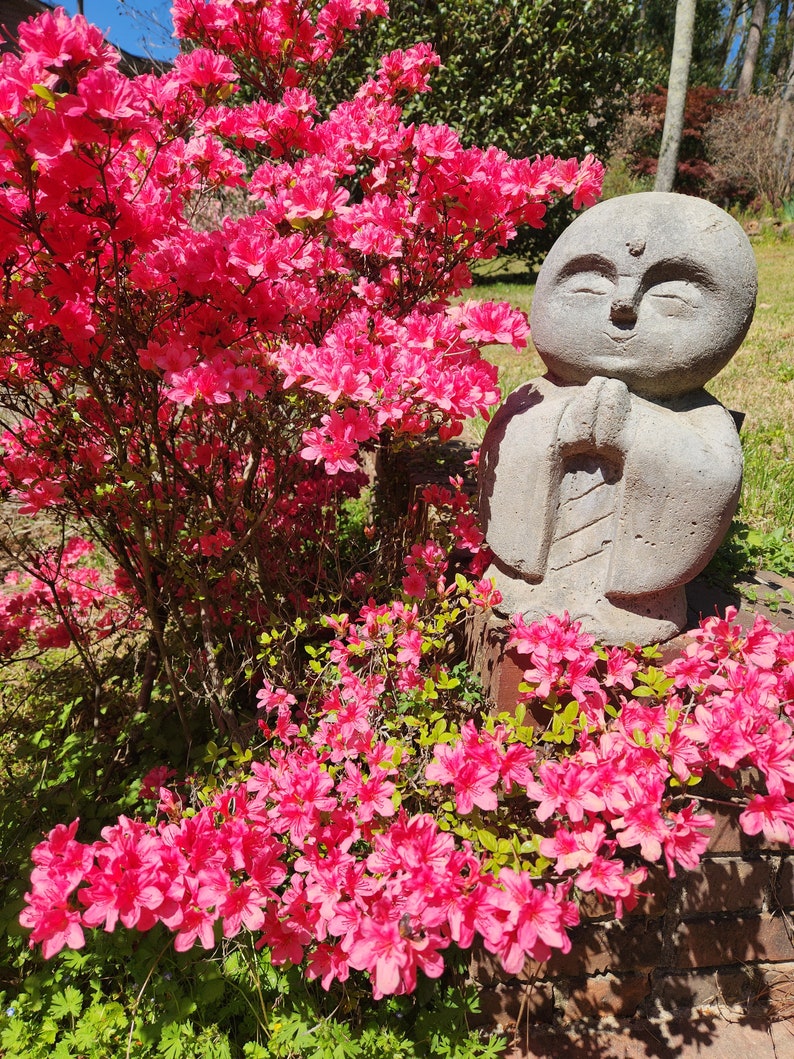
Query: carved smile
619,340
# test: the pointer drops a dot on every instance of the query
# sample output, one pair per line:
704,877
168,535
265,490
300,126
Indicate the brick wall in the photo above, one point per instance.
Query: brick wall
716,941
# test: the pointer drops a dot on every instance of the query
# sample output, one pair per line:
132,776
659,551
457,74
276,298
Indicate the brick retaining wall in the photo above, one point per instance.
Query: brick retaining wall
715,941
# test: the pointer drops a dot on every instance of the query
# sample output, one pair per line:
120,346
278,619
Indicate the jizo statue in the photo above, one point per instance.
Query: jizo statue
607,484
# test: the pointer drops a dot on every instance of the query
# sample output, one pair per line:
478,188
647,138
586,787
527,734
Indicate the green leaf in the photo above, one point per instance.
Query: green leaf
211,985
488,839
171,1043
67,1004
49,1031
44,93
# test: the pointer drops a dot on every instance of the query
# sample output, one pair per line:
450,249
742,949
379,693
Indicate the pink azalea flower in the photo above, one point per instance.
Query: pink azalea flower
473,781
772,814
391,948
642,825
531,922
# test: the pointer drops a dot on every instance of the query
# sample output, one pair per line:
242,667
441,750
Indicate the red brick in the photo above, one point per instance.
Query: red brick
726,885
500,670
727,836
625,945
734,987
628,945
602,995
784,890
508,1005
652,902
716,942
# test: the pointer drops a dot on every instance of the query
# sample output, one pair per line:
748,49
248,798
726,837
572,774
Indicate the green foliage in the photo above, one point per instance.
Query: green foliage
134,996
69,749
768,490
619,180
761,537
128,995
68,745
433,1023
131,994
746,550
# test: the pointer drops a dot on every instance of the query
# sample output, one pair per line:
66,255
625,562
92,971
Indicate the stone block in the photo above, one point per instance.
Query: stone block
605,995
685,1038
726,885
736,988
778,982
720,941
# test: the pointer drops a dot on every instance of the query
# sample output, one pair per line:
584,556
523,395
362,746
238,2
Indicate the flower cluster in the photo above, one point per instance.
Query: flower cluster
338,851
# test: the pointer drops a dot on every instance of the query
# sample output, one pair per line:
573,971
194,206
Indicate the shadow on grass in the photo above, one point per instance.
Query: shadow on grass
523,278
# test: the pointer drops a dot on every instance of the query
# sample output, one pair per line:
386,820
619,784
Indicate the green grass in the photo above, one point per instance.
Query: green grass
758,382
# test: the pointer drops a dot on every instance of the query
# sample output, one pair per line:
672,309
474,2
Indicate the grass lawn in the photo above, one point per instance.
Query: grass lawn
759,382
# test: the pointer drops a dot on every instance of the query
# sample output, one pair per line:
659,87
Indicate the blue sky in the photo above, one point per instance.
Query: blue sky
142,27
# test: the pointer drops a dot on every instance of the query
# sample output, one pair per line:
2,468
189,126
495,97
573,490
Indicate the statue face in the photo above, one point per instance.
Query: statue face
656,290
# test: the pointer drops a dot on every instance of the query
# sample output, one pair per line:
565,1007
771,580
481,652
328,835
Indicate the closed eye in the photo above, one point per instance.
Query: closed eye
675,297
589,283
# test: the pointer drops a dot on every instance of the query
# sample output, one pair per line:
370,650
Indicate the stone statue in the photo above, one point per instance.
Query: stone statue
607,484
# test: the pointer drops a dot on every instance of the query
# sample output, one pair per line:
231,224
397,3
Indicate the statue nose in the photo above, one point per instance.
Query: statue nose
623,310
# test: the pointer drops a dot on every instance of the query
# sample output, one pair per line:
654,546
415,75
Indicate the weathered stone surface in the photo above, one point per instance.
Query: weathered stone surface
607,485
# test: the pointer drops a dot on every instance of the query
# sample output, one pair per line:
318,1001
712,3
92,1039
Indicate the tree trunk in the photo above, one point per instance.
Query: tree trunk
727,38
781,76
783,147
752,48
676,95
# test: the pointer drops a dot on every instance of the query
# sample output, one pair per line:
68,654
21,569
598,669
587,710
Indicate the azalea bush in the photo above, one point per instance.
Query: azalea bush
221,300
192,400
375,828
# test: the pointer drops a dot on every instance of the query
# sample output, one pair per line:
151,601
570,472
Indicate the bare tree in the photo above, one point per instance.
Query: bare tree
740,142
751,50
676,94
783,148
727,38
780,50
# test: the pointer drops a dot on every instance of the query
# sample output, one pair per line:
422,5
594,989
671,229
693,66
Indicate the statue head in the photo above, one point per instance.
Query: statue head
656,290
